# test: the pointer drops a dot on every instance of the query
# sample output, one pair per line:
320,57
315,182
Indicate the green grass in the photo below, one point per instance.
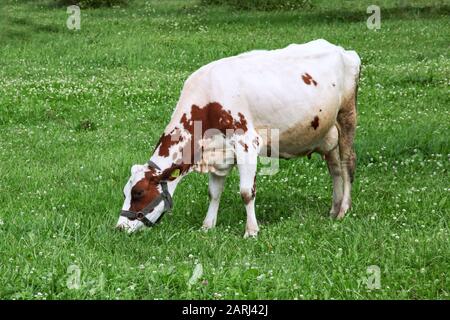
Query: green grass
77,109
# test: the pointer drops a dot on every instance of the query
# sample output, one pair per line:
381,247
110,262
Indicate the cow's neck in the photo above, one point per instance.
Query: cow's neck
178,146
173,150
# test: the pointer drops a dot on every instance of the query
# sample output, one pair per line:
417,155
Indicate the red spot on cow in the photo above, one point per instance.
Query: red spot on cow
242,123
244,145
164,143
246,197
213,116
249,196
168,140
308,79
315,122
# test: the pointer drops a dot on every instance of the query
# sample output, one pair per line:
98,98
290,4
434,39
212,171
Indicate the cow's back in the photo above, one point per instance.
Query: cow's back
287,89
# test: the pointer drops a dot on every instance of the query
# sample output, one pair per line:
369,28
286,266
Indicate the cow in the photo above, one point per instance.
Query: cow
306,92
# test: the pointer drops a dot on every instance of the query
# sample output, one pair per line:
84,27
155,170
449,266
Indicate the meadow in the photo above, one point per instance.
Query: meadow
78,108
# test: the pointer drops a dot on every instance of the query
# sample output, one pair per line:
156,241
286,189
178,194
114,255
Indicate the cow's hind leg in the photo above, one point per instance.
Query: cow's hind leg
346,120
334,167
329,148
215,189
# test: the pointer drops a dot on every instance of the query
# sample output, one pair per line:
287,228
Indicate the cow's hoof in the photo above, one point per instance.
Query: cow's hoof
342,213
208,225
339,215
344,208
206,228
251,234
335,208
333,214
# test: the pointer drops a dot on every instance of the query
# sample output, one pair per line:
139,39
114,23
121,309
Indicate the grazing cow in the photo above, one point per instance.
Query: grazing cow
306,92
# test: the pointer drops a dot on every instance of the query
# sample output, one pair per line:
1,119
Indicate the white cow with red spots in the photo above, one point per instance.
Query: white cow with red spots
305,93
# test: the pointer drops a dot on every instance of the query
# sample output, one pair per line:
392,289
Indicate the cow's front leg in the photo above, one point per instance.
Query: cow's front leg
215,188
247,174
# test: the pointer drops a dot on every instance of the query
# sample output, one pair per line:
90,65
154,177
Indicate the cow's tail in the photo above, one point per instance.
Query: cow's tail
346,123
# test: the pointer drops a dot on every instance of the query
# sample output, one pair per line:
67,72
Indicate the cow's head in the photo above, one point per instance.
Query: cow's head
147,196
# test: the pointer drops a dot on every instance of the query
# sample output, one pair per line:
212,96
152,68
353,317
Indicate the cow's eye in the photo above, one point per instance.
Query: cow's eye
138,194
